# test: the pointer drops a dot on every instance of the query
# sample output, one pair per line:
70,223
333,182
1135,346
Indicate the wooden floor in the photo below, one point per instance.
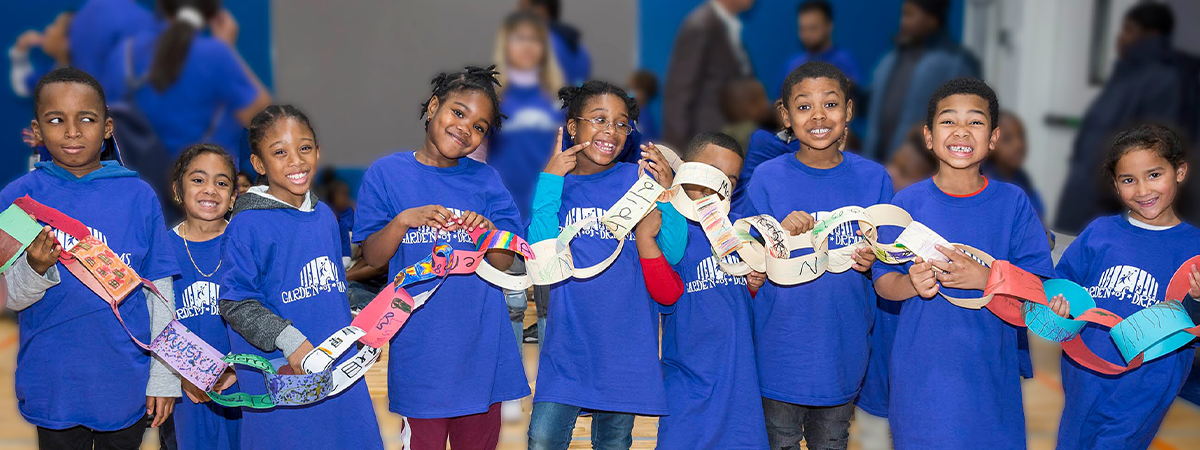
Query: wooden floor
1043,404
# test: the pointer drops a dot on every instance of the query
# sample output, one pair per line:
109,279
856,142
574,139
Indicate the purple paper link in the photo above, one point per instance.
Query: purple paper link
184,351
296,390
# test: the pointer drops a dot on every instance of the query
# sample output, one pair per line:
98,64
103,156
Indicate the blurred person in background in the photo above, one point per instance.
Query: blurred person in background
912,161
765,144
925,56
1006,163
1150,82
815,20
52,41
530,78
707,55
747,109
644,87
187,81
566,40
99,26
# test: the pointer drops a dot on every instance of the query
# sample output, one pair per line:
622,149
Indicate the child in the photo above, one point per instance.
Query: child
954,371
1007,162
601,347
911,162
202,182
456,358
1147,244
747,109
60,319
244,181
530,77
707,346
284,284
764,146
809,390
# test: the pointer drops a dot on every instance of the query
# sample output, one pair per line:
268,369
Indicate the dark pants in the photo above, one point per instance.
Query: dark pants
474,432
822,427
83,438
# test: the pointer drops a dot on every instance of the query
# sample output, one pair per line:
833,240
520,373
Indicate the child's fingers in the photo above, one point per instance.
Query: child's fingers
557,143
947,251
577,148
942,266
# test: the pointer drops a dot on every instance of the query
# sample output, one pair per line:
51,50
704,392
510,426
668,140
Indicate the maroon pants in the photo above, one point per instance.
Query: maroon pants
474,432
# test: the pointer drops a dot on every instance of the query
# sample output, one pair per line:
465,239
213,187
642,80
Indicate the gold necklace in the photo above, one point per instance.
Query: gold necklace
183,235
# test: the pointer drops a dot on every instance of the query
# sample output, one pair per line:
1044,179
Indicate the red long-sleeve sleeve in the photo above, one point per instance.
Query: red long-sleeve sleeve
664,284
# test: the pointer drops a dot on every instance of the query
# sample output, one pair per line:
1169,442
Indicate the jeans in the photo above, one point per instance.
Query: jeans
822,427
518,303
551,424
362,292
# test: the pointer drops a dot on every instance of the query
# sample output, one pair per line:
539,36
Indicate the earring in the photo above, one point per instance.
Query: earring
177,200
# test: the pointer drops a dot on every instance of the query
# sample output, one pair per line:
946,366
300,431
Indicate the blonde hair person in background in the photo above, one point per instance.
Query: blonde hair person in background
530,77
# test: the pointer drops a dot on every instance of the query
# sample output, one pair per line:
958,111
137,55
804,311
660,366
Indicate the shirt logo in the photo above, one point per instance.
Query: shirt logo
593,229
68,242
844,235
530,119
428,235
1127,284
201,298
319,275
709,275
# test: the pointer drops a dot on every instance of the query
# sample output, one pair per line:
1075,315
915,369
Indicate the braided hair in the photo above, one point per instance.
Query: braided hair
264,120
471,78
574,97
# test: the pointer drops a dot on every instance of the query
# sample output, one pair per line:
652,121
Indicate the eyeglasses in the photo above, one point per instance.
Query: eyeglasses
601,124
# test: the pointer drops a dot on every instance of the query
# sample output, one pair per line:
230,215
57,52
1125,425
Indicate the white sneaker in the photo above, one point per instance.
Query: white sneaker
510,411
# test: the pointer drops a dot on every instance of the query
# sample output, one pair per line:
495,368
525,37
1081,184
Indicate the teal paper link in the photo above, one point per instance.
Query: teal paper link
1044,322
1156,331
241,399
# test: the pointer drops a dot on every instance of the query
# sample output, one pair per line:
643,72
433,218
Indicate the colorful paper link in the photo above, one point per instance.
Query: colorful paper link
105,274
1148,334
374,326
17,231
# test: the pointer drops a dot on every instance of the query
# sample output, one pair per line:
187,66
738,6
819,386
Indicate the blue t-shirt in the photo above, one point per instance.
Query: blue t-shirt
522,148
874,395
954,372
1019,179
576,64
764,146
601,347
203,425
290,261
104,387
708,358
831,315
212,85
840,58
345,221
457,354
99,26
1125,268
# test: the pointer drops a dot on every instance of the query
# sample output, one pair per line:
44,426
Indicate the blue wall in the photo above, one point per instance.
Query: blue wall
864,27
254,43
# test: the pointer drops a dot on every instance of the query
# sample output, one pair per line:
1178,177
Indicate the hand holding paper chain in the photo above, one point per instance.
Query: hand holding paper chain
374,326
1148,334
98,267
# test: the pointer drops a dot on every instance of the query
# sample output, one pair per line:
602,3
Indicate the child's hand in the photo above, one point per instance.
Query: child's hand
650,225
160,408
864,257
434,216
1194,280
195,394
962,272
922,278
1061,306
798,222
563,162
224,27
755,280
43,252
227,379
472,220
654,163
296,359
